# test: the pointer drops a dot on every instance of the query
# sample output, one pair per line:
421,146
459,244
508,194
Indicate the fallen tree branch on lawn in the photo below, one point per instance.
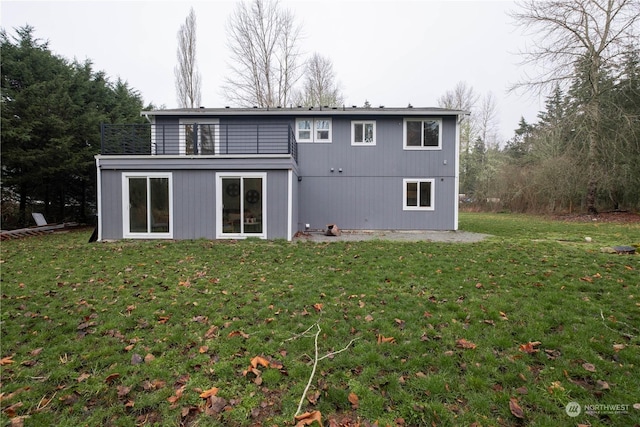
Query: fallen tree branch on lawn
627,335
316,359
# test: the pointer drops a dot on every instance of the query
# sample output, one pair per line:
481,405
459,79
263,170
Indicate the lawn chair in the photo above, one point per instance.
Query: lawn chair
39,219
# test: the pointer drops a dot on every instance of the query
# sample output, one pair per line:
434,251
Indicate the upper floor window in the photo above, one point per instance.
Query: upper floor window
313,130
199,136
363,133
422,134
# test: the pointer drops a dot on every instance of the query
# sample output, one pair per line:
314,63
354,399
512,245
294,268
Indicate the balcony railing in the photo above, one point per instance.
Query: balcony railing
198,139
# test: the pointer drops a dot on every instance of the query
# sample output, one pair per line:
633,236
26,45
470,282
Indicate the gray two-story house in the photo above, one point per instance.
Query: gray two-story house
270,173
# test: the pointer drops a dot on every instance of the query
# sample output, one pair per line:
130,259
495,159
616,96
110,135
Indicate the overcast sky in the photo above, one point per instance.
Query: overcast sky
389,52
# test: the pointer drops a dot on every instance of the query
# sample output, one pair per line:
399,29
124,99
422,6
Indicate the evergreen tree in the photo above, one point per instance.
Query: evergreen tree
520,145
51,115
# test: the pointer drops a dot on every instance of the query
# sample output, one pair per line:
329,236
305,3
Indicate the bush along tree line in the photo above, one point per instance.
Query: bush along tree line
584,153
547,166
51,114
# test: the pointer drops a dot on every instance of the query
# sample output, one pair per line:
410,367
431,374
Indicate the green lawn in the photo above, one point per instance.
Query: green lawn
507,331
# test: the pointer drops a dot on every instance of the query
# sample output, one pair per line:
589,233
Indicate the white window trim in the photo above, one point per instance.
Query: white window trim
126,233
406,181
313,130
182,148
353,133
421,119
305,140
219,206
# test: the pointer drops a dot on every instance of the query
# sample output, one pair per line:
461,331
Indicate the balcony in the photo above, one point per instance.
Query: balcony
198,139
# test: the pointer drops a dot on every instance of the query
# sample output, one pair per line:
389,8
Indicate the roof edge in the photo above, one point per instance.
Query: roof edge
306,111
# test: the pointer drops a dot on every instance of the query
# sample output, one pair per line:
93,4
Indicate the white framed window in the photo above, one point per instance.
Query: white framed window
241,205
363,132
422,134
304,130
199,136
147,200
314,130
418,194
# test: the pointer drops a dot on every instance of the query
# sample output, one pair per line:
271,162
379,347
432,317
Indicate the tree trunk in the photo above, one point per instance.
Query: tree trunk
22,212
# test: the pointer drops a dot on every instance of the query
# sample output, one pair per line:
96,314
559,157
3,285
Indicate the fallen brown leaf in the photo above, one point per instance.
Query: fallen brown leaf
215,405
211,392
308,418
353,399
383,339
618,347
211,332
179,391
111,378
123,390
258,360
238,334
530,347
463,343
589,367
6,360
515,408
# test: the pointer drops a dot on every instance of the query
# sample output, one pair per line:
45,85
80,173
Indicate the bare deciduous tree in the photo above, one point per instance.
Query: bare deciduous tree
186,72
462,97
579,39
262,39
487,117
320,87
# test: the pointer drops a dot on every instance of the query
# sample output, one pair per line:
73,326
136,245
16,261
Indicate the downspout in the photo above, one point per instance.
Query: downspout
99,197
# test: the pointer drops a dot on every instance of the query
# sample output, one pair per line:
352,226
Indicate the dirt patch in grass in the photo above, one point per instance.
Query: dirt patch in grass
620,217
395,235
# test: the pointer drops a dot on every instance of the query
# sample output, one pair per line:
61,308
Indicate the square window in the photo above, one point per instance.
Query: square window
418,194
303,130
422,134
323,130
363,133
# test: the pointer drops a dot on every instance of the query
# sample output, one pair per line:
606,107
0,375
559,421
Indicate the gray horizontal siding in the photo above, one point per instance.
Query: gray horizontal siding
194,198
367,194
194,201
369,203
111,215
386,158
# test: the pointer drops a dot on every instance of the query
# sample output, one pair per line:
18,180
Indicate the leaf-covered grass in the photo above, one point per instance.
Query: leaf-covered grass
131,333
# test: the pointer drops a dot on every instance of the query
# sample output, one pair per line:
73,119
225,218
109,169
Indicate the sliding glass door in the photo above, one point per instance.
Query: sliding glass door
241,205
